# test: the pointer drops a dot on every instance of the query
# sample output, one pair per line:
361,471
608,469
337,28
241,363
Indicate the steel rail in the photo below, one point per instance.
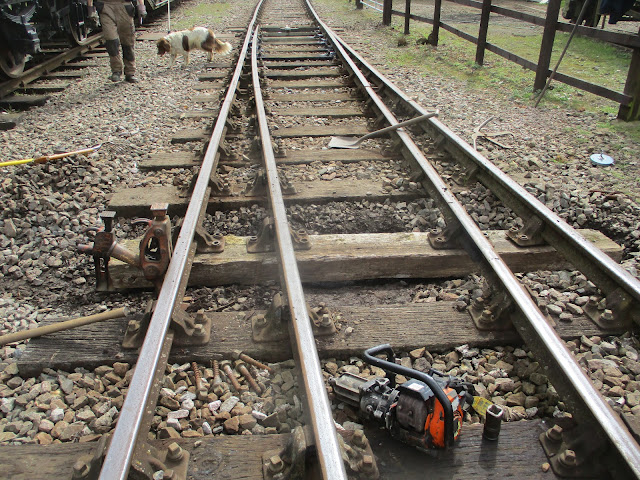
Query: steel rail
118,459
569,379
598,266
303,341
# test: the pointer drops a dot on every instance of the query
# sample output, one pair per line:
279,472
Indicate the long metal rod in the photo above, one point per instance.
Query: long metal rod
319,408
118,459
543,339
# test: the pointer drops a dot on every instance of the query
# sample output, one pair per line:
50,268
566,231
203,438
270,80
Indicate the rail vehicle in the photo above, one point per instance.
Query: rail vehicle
27,25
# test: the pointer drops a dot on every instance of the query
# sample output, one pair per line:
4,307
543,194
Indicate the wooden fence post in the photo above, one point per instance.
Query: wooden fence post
359,4
386,12
482,33
632,88
433,38
407,16
546,46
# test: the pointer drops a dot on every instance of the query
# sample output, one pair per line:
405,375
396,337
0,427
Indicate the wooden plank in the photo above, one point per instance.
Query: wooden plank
311,63
136,201
10,120
205,113
294,56
293,41
191,135
206,98
341,258
170,160
40,89
335,112
321,131
66,74
304,75
312,97
294,157
518,454
437,325
218,457
208,86
215,75
22,102
310,83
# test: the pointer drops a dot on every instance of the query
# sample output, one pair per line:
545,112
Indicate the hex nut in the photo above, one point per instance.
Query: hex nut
174,452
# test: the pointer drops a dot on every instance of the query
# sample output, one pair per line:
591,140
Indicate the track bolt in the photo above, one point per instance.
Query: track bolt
261,322
276,465
238,355
168,474
359,439
478,302
592,302
226,368
240,366
199,331
200,318
174,452
523,237
325,321
568,458
487,316
133,326
80,469
606,315
366,464
554,434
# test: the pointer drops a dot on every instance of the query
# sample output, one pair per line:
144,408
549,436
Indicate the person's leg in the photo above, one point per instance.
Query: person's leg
112,43
126,32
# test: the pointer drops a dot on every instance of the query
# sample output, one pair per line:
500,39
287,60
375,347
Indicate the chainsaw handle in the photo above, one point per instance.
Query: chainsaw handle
389,365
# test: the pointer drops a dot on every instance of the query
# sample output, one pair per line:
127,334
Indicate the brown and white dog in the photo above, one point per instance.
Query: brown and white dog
196,38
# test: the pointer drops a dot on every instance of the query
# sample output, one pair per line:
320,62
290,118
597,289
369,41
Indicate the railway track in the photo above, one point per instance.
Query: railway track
296,85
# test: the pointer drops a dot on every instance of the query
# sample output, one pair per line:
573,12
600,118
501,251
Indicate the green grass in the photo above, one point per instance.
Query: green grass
202,14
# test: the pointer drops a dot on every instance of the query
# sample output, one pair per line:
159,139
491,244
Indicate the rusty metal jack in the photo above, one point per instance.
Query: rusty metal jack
290,463
153,256
188,330
264,241
172,461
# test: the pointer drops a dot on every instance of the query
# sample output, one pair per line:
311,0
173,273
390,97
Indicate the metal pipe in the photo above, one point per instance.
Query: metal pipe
530,322
118,459
304,344
65,325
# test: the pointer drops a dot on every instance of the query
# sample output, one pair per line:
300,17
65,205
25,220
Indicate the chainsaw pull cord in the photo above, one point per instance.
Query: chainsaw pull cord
370,357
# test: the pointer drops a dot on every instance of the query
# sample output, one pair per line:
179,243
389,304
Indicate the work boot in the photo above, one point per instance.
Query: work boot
131,78
115,77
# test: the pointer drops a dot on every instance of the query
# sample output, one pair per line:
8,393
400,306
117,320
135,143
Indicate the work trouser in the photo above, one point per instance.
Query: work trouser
118,29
